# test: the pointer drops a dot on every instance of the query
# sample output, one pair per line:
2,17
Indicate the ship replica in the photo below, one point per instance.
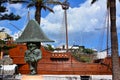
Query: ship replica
54,62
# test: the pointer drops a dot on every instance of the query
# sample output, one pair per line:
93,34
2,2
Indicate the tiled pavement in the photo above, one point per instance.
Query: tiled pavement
55,77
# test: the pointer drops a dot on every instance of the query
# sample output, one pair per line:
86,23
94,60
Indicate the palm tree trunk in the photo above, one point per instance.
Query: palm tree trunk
114,42
38,12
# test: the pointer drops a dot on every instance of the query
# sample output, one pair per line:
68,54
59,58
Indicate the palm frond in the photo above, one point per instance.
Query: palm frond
47,8
65,1
44,8
31,4
54,2
17,1
93,1
108,4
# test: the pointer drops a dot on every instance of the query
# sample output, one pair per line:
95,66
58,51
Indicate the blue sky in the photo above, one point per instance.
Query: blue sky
86,23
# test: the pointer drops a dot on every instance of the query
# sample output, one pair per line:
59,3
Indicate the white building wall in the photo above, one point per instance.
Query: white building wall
76,77
102,55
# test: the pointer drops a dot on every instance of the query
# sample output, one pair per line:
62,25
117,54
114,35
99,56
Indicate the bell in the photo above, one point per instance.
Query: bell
33,33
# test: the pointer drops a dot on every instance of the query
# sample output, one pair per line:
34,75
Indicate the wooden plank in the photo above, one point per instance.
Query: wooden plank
48,66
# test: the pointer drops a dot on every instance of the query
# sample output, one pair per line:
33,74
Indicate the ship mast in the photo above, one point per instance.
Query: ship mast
108,29
65,6
28,15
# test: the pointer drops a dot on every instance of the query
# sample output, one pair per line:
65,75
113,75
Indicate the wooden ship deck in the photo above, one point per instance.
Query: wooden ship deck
60,63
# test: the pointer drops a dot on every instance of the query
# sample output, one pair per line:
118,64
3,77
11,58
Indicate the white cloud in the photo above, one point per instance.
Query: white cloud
16,6
17,9
82,22
82,19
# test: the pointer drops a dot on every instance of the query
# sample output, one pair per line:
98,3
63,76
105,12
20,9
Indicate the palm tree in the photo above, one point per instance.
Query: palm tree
111,6
39,5
114,42
6,16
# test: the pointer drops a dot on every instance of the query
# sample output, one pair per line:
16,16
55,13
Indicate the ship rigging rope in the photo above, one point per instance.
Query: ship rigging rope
27,18
101,42
62,30
101,38
25,21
